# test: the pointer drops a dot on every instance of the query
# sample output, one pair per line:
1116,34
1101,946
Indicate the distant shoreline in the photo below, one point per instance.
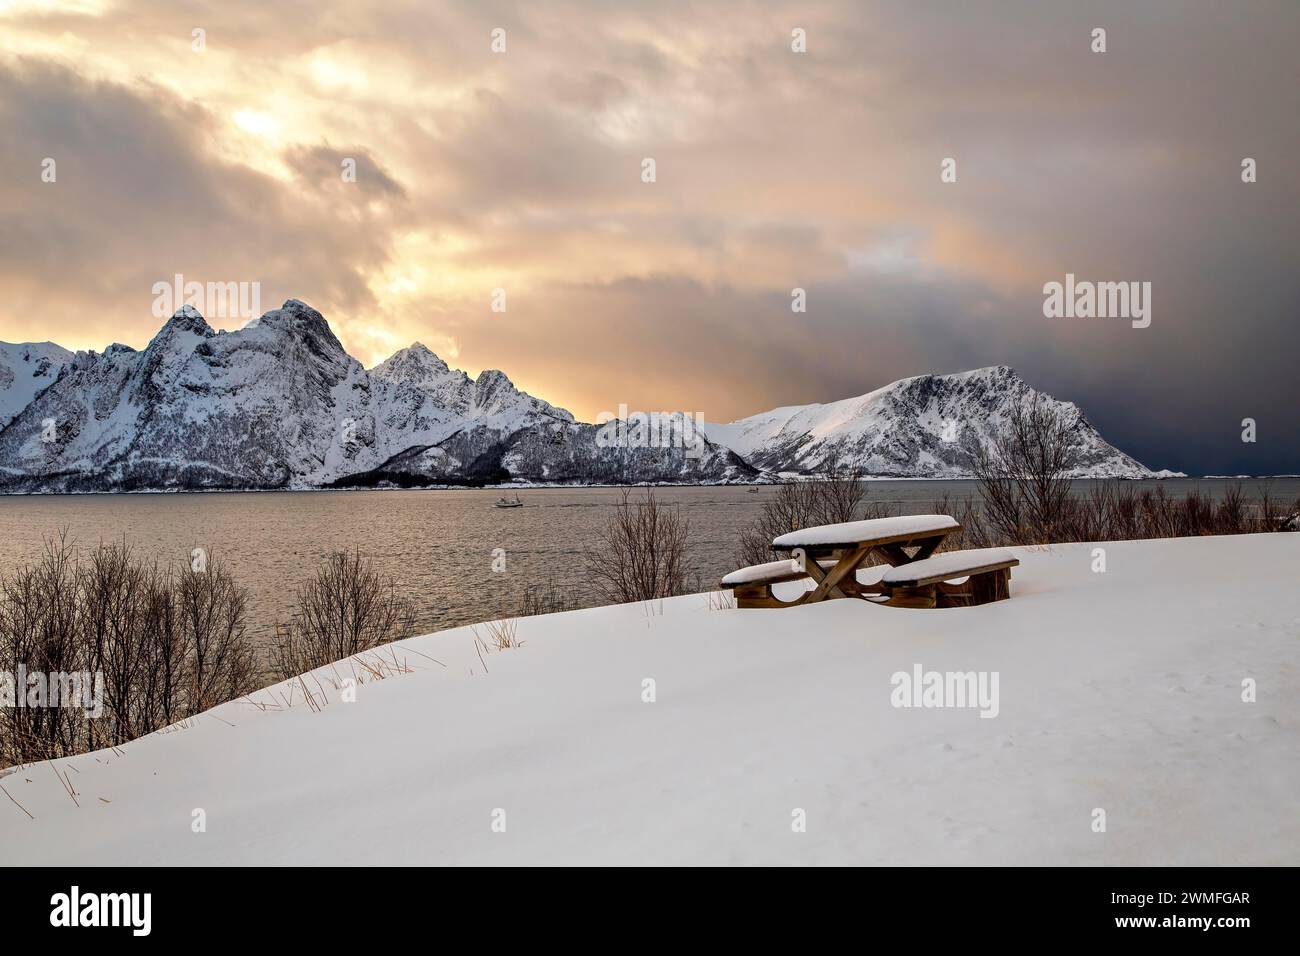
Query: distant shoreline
562,486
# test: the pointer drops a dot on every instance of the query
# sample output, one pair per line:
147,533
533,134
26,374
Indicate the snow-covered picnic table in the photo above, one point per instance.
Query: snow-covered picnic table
834,557
847,545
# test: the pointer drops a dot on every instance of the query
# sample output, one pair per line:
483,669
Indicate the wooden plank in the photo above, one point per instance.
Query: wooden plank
905,539
760,595
974,569
770,579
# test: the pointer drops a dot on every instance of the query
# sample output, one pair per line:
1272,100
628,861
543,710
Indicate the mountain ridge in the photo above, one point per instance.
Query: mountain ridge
280,403
924,423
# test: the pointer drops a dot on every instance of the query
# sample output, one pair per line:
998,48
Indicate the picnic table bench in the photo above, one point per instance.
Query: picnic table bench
927,583
833,557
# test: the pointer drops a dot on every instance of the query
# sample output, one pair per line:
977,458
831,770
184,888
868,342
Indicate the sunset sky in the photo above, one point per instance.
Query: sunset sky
775,169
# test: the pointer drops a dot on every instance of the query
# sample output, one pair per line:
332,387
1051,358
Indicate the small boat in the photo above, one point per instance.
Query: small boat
752,489
504,502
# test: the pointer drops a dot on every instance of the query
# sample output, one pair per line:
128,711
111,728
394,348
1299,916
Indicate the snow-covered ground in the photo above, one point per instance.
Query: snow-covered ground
1120,691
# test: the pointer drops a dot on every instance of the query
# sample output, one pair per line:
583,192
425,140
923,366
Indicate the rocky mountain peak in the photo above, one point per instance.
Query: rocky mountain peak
416,362
185,321
300,321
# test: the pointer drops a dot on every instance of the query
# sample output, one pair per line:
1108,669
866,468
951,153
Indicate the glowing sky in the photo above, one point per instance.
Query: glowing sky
522,170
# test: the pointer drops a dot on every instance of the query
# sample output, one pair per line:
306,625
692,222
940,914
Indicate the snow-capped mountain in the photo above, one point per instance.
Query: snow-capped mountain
255,408
442,399
281,404
26,369
929,426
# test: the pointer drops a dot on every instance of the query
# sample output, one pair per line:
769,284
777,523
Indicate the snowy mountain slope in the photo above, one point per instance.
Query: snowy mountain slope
929,426
25,369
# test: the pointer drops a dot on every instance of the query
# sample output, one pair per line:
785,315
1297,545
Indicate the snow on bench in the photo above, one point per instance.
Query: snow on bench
849,533
950,564
770,573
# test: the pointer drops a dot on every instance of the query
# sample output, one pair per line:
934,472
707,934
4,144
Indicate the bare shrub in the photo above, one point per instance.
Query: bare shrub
641,552
346,608
211,613
975,531
835,495
1122,511
39,629
114,616
1022,474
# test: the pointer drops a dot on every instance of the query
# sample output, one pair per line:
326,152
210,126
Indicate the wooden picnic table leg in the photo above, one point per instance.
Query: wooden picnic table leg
893,553
928,547
828,582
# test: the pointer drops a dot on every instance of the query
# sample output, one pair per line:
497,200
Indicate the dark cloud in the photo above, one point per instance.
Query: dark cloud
334,171
140,196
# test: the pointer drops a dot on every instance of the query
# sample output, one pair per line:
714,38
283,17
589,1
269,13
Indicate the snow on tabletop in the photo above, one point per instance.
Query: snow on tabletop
761,572
1121,691
853,531
950,562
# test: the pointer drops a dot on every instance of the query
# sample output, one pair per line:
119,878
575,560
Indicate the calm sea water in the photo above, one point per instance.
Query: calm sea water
437,544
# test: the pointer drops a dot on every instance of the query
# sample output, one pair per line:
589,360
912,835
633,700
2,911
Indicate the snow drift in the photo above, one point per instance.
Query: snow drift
1120,691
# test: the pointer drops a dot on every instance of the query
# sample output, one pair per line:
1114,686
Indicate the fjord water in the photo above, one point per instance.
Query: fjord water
438,544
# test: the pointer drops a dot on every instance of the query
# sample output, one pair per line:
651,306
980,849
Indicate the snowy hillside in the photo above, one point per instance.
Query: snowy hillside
25,369
1120,691
929,426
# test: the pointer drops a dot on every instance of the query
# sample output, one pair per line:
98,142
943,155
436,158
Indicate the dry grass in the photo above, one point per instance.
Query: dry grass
502,634
543,597
309,688
720,600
